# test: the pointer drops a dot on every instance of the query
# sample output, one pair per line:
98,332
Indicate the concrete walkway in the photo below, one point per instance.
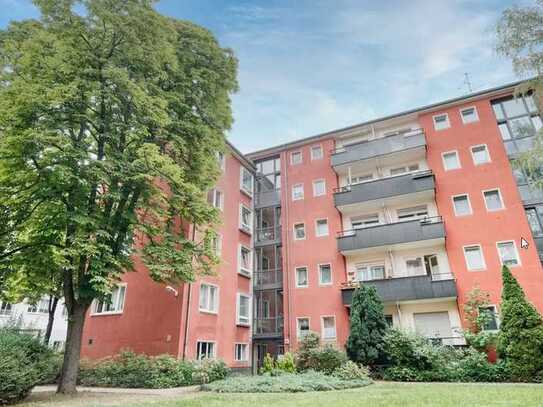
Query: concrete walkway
175,391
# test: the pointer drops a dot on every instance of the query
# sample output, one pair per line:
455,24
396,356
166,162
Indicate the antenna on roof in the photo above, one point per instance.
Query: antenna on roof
467,82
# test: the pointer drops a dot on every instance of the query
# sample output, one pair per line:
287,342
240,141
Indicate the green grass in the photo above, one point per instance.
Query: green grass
375,395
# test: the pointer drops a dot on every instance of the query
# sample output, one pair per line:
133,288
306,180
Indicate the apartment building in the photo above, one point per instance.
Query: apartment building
424,205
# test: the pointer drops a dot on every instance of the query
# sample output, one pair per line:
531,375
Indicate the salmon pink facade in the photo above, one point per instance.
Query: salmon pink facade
424,205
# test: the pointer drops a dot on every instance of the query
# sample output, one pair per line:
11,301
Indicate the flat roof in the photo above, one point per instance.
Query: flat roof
284,146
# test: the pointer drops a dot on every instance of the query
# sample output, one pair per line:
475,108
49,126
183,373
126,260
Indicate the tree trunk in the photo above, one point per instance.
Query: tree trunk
53,302
72,352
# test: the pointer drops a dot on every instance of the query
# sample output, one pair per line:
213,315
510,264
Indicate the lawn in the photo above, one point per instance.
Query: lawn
378,394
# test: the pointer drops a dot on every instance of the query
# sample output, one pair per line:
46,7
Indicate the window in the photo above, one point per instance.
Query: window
461,205
535,219
216,198
364,221
319,187
297,192
329,327
480,154
451,161
296,157
5,308
517,118
42,306
301,277
243,309
221,159
209,298
302,327
404,169
216,244
490,316
240,352
325,274
357,179
113,304
414,266
246,181
245,219
474,257
493,200
316,153
245,260
321,227
299,231
205,350
414,212
368,272
469,115
441,121
508,253
389,320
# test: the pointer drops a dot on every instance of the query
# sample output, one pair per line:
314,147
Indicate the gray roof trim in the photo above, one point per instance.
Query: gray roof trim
260,153
241,157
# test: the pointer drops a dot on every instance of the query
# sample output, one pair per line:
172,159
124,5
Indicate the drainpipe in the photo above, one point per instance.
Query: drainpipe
286,270
187,313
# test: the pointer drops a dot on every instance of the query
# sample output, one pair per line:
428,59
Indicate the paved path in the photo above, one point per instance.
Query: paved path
175,391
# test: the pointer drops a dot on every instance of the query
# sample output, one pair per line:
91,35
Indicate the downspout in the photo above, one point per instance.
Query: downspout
187,313
286,276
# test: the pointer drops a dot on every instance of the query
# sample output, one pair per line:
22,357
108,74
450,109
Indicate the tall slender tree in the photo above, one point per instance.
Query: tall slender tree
111,116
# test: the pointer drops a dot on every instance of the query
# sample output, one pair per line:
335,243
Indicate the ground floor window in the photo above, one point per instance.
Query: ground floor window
205,350
241,352
329,327
491,318
113,304
303,327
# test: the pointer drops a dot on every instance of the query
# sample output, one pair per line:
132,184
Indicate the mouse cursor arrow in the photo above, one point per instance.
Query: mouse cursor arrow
524,243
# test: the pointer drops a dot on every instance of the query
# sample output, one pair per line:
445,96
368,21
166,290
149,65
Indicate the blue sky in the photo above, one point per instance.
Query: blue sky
309,66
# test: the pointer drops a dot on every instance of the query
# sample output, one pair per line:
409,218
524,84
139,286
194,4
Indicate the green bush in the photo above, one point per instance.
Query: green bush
24,362
285,383
286,363
311,356
131,370
409,350
351,371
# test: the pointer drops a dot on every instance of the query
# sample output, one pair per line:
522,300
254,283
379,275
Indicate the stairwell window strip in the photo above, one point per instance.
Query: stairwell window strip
209,298
441,121
507,251
114,304
205,350
475,260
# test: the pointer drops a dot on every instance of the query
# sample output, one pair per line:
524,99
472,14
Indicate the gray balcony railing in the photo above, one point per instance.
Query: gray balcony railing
263,199
378,147
268,235
268,279
392,233
268,327
530,194
384,188
407,288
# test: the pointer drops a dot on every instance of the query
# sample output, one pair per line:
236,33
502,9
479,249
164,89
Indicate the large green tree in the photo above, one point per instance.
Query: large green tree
520,341
519,38
111,116
367,326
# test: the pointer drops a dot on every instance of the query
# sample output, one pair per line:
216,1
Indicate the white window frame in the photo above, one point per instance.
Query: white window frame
487,153
369,266
242,270
324,338
296,276
37,308
217,291
454,207
246,228
119,308
214,353
238,307
482,256
299,336
294,198
245,345
443,154
293,153
317,229
218,247
318,146
242,187
467,108
501,199
294,231
320,274
315,190
221,201
519,262
439,115
221,159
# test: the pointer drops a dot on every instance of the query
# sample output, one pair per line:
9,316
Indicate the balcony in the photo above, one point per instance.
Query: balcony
413,288
530,194
265,236
375,192
413,143
418,230
268,327
264,199
268,279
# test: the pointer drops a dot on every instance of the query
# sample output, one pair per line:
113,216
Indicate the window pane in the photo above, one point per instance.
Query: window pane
521,127
474,257
329,327
536,121
493,200
322,227
299,230
490,318
533,220
301,276
504,131
451,161
325,274
514,107
508,254
469,115
319,188
461,205
497,107
480,155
